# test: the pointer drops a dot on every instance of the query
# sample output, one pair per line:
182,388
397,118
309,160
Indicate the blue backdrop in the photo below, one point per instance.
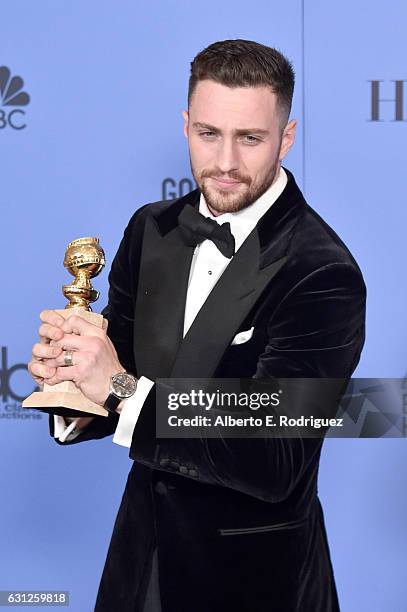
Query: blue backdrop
101,135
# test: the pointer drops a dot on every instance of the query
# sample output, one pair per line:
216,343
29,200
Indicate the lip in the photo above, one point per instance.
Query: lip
225,183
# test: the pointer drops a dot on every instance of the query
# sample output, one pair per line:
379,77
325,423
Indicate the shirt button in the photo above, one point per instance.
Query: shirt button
209,271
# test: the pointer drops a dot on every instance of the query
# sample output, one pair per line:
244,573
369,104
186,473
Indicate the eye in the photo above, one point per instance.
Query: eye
251,140
207,134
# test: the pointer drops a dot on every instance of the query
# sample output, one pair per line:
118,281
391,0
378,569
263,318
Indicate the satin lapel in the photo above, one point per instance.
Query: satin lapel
161,295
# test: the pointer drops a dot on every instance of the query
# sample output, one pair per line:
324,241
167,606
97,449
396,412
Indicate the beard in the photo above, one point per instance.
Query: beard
221,200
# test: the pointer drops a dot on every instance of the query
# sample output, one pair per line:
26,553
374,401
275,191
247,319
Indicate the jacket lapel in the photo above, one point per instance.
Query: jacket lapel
160,348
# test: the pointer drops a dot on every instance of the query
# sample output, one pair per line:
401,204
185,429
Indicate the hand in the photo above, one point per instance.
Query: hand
94,356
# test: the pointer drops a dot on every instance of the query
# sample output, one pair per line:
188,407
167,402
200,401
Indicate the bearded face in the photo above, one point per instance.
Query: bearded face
236,143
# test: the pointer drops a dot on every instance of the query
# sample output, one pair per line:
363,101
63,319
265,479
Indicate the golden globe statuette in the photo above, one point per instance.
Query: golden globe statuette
85,259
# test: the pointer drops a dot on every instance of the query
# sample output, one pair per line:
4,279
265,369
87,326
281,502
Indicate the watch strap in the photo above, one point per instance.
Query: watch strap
112,403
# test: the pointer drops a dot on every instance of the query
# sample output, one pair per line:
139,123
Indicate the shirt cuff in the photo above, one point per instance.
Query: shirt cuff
130,412
65,432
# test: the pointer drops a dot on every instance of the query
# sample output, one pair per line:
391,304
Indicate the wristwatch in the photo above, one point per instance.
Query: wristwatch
122,386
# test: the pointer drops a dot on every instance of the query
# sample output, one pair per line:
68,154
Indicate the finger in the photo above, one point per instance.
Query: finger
72,342
77,325
45,351
62,374
60,360
49,332
38,379
41,370
52,317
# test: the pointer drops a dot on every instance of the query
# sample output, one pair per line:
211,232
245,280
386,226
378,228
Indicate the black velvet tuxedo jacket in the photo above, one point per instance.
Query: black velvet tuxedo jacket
237,523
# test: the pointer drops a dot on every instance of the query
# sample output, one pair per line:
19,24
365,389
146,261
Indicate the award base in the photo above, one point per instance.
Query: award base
65,399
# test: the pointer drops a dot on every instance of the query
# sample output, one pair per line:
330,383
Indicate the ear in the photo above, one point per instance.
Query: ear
186,120
288,138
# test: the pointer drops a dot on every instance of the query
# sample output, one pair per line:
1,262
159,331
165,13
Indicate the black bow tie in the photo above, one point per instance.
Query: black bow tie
195,228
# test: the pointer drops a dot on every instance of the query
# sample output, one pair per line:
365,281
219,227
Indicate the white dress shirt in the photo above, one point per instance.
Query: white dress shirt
207,265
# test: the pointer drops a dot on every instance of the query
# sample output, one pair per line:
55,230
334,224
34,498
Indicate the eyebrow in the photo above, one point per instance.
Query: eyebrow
212,128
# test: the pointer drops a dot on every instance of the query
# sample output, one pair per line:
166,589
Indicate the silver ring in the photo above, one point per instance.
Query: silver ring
68,361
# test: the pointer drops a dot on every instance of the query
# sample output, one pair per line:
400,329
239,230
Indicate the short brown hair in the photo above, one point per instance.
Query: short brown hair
245,63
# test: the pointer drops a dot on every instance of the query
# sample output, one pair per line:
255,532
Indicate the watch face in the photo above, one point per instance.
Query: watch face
123,385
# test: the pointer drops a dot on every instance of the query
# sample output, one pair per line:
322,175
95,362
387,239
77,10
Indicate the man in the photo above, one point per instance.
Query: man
208,525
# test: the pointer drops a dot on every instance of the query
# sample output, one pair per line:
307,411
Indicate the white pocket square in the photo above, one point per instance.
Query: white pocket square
243,336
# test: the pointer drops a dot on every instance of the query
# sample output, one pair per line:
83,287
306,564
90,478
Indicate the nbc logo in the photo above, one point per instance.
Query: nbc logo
12,95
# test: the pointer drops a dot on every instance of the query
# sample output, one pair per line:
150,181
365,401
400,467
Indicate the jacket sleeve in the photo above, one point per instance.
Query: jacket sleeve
317,331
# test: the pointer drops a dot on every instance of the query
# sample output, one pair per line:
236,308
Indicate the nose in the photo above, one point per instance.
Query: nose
227,156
